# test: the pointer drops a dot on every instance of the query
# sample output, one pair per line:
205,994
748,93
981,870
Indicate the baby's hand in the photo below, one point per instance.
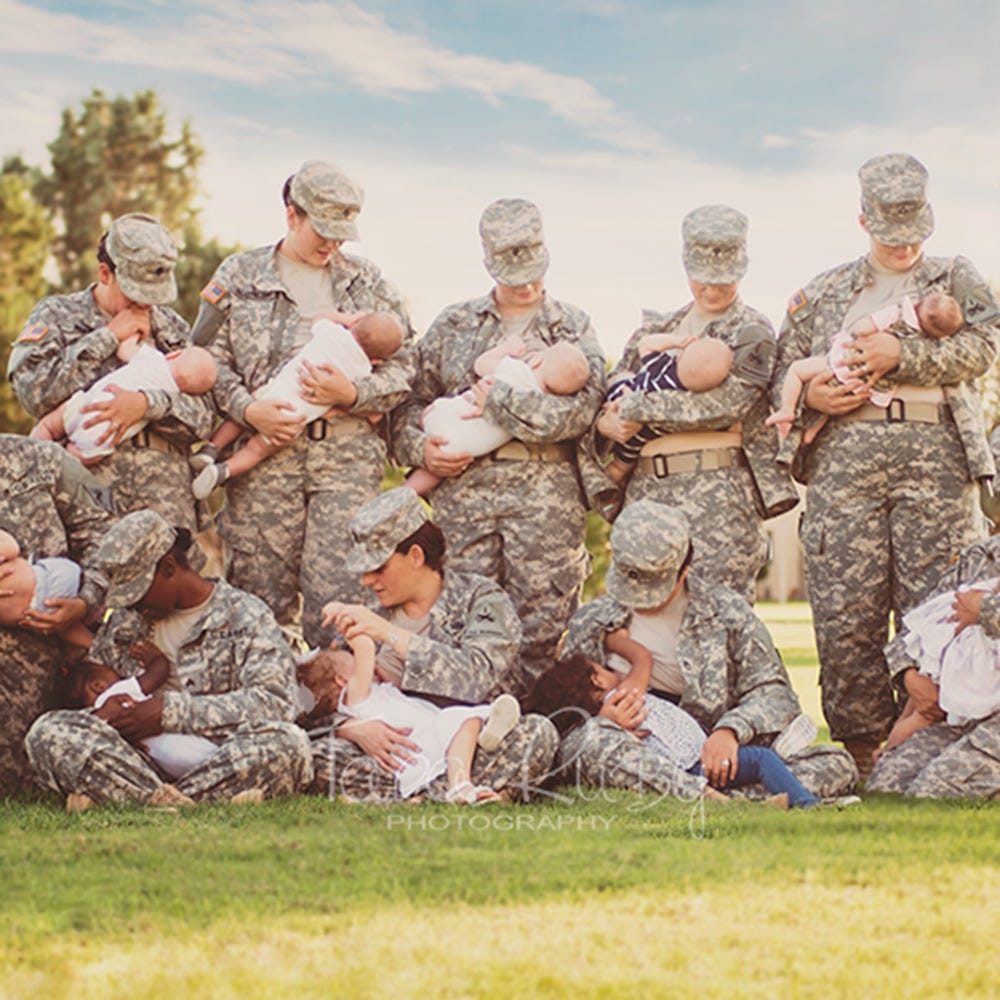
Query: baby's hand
783,419
145,652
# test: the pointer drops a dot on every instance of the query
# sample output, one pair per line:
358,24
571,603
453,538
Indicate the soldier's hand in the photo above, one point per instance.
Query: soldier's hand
125,407
141,720
63,612
922,690
874,355
966,608
387,746
626,707
276,420
720,757
132,321
615,427
326,385
838,398
442,465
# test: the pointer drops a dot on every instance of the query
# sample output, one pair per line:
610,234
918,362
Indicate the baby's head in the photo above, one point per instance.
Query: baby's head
193,369
379,334
84,682
704,364
9,549
940,315
325,675
564,369
569,692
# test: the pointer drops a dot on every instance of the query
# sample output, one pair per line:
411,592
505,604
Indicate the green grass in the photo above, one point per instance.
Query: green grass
603,895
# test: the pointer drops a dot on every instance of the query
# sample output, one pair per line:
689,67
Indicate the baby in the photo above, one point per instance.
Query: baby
964,665
94,684
336,680
702,363
937,316
191,370
28,585
349,342
559,370
575,689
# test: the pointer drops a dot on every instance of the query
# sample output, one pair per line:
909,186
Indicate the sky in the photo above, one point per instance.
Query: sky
616,117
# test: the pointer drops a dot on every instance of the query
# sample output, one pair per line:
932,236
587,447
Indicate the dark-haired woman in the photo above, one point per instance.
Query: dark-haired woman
449,637
232,681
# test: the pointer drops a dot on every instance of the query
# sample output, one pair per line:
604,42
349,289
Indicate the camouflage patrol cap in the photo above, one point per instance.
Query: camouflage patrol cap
144,254
129,553
894,199
649,542
329,197
513,241
380,525
715,244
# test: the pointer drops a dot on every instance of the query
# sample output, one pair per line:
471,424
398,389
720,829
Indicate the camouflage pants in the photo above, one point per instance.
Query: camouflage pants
602,754
729,544
944,762
74,751
522,524
28,667
519,765
285,525
889,505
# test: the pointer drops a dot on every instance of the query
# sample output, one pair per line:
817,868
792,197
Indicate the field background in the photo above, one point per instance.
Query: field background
595,895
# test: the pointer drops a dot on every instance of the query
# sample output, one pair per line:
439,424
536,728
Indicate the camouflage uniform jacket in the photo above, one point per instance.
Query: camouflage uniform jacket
742,397
250,324
66,346
733,675
445,362
233,667
54,507
816,315
978,561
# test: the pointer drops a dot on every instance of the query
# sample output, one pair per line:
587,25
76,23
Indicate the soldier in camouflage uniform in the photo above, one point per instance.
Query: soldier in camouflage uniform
232,680
892,493
285,522
54,507
70,341
714,458
724,669
514,515
943,761
450,637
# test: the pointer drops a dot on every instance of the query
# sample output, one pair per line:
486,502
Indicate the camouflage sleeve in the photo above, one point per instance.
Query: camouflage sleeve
85,508
967,354
764,699
589,627
754,354
408,436
480,663
121,629
265,693
45,369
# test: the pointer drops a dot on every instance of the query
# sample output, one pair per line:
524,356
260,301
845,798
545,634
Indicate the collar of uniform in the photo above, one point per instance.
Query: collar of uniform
926,271
550,313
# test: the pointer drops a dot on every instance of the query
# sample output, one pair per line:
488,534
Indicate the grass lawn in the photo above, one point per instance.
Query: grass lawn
601,895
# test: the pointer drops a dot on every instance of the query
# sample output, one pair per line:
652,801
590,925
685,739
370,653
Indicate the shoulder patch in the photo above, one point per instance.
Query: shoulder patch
31,334
797,302
213,293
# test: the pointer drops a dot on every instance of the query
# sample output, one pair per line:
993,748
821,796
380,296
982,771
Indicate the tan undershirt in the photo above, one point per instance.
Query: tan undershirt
310,288
387,659
658,632
169,634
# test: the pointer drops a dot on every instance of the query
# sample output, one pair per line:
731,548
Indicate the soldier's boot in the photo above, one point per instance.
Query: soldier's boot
248,797
862,751
78,802
167,795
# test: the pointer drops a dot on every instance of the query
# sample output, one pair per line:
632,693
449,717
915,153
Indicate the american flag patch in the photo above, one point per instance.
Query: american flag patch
213,293
32,333
796,302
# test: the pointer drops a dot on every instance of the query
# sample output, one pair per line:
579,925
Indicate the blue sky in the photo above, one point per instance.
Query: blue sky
616,117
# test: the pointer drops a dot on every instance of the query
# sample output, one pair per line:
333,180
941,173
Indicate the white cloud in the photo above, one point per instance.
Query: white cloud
269,42
772,141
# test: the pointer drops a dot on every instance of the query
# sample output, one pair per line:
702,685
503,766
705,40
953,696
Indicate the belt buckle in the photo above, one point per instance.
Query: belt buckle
142,440
892,417
316,430
661,468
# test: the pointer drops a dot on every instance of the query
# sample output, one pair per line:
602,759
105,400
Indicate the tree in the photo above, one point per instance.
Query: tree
25,235
111,158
